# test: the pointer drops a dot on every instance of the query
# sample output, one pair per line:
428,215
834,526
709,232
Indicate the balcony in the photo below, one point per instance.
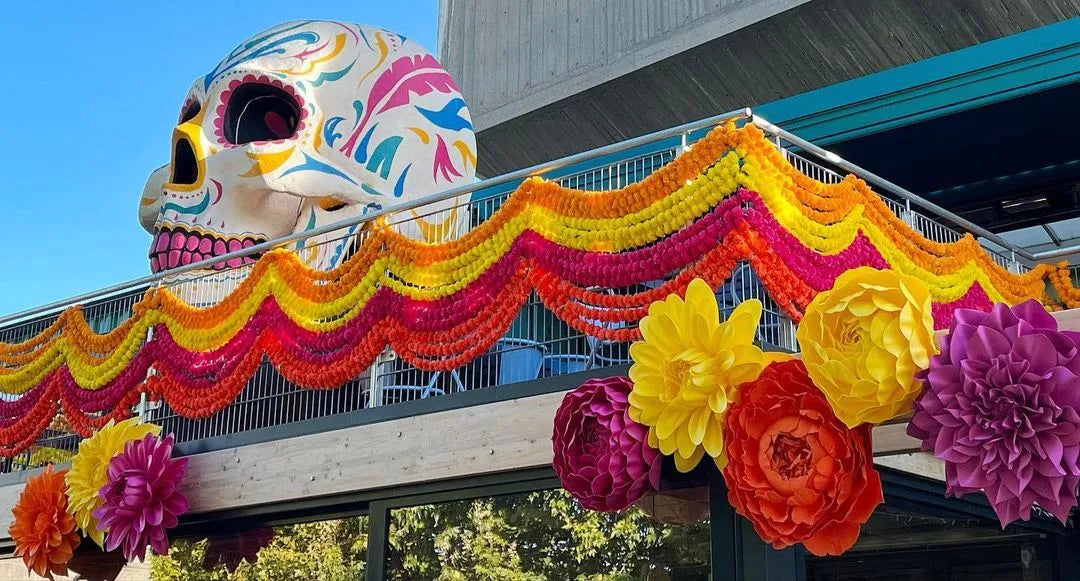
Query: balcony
539,351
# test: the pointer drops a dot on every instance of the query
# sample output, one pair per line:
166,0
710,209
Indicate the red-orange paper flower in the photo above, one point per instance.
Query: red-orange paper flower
43,531
794,470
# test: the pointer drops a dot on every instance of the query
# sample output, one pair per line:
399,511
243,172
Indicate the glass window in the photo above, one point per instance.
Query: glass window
548,535
334,550
901,545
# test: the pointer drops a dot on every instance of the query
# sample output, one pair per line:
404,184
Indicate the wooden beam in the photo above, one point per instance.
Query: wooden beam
471,441
920,464
892,439
498,437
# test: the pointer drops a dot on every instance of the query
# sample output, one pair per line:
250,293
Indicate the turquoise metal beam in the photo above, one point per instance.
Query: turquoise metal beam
1021,64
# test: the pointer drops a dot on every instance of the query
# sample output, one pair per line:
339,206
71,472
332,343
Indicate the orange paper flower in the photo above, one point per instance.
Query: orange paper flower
794,470
43,531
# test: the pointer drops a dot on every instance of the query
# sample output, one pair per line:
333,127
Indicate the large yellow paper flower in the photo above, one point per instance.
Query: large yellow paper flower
88,473
864,340
687,369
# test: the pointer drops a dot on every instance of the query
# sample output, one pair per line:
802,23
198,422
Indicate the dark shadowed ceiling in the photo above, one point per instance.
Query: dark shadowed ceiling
816,44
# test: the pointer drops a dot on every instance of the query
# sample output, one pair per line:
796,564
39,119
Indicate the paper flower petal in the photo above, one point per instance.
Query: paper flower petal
141,498
45,534
795,470
89,471
687,371
1002,409
864,340
601,455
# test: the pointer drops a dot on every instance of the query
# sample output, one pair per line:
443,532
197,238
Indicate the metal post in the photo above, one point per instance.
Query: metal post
378,540
725,540
374,389
1064,563
142,408
738,554
909,217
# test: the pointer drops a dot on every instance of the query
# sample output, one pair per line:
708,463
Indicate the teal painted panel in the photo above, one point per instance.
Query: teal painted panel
1036,60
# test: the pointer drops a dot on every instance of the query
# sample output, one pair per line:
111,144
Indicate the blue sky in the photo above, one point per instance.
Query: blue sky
90,95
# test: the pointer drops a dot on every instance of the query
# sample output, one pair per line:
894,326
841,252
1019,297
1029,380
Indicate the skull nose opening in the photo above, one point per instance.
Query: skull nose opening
185,168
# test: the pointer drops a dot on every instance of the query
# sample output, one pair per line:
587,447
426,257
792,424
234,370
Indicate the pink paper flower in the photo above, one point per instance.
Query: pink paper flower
602,456
141,498
1002,409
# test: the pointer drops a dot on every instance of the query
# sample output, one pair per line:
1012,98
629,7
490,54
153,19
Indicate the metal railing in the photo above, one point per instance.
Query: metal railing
932,229
59,443
538,344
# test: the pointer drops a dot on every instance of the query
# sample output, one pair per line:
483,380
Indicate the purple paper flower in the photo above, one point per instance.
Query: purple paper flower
1001,409
602,456
141,498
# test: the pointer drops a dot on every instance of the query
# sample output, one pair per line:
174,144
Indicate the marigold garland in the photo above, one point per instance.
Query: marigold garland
732,197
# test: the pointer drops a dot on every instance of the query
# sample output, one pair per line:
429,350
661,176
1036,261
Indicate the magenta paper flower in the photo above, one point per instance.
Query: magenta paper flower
602,456
1001,409
141,499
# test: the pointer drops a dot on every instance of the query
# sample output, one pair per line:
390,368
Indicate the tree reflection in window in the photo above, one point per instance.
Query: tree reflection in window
542,535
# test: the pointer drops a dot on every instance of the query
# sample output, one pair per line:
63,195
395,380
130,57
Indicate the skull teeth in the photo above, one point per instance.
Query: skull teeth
175,246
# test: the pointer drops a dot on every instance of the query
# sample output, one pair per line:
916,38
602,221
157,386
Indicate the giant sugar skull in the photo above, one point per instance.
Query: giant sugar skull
303,125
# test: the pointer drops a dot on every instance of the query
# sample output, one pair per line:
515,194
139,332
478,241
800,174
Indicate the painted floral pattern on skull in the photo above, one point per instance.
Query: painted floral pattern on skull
304,125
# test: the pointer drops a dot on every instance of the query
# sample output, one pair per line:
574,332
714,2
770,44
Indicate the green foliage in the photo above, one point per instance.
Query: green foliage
539,536
322,551
524,537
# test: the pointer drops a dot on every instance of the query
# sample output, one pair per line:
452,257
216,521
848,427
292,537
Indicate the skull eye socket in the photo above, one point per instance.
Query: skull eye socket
190,110
260,112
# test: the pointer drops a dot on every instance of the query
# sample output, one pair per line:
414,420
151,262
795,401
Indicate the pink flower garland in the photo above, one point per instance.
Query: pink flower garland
106,398
975,299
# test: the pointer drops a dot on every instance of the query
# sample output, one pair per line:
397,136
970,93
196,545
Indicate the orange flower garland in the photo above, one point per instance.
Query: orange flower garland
824,203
